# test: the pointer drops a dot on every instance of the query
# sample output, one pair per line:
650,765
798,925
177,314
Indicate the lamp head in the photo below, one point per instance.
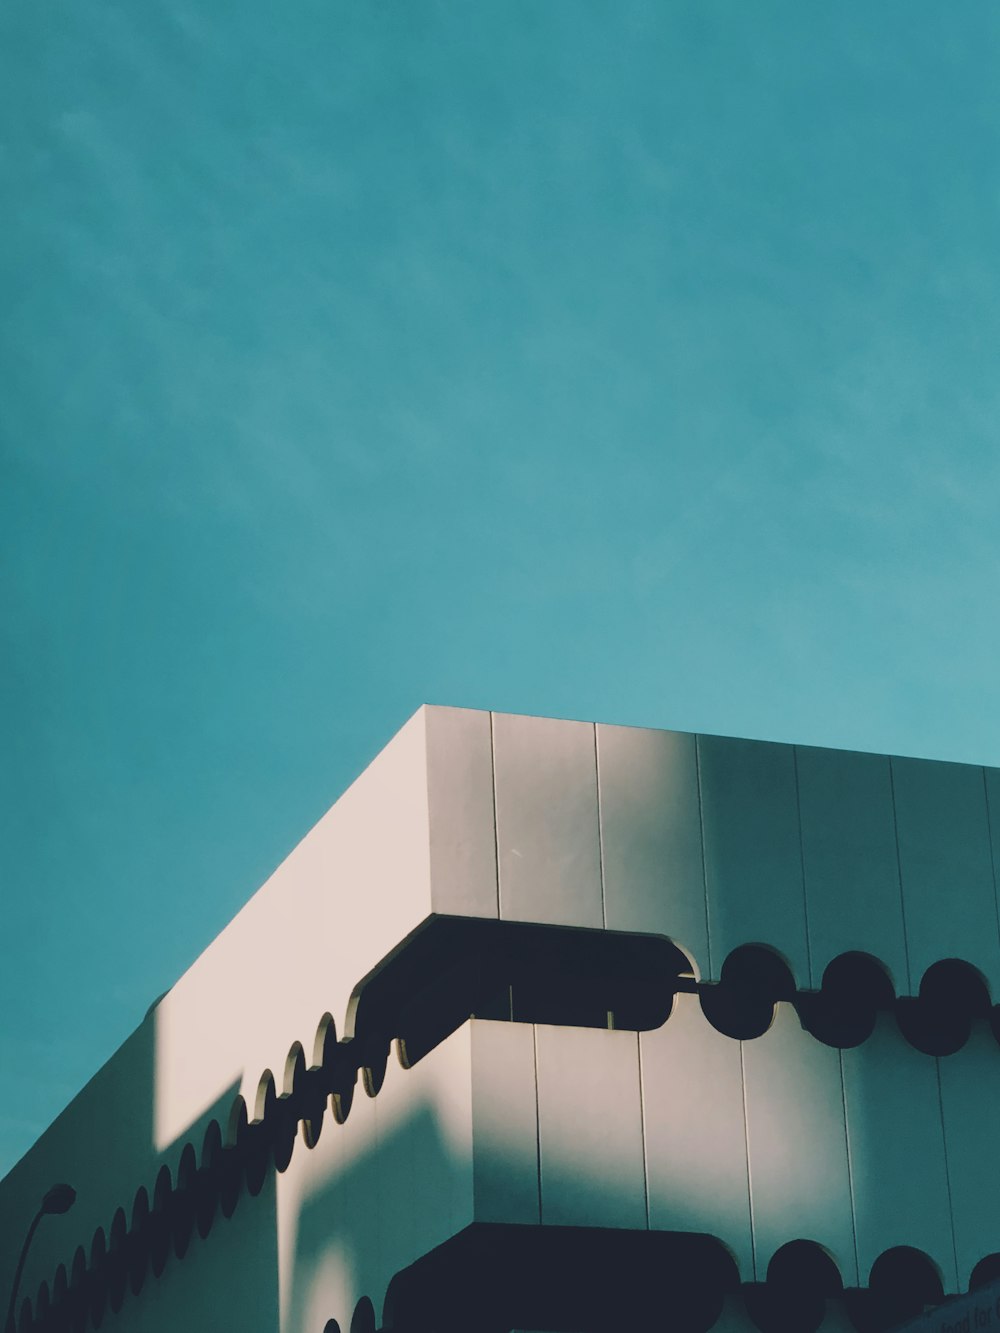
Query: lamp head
58,1199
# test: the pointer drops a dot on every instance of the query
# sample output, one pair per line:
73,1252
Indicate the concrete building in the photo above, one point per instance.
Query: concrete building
556,1026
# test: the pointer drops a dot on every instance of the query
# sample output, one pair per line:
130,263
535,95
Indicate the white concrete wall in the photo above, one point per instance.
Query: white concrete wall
712,842
757,1143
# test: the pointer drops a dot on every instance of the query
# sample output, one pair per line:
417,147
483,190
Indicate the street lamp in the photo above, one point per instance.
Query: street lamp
58,1199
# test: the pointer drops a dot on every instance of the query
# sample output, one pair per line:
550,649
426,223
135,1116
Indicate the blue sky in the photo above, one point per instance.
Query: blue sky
634,362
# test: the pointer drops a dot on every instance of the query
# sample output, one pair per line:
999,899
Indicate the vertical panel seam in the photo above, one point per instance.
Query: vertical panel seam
704,859
802,865
993,862
947,1170
850,1168
899,876
600,831
538,1120
496,811
642,1126
746,1142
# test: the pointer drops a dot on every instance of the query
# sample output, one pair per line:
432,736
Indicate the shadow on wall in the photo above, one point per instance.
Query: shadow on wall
138,1211
373,1208
403,1197
392,1183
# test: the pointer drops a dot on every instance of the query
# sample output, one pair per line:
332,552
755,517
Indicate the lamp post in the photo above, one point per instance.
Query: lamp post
58,1199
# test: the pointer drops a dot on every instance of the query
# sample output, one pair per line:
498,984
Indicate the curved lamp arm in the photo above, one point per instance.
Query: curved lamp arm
59,1199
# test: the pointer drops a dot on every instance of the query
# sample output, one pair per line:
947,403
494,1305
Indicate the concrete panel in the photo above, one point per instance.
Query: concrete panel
463,852
896,1142
329,1236
505,1120
654,875
590,1128
547,822
423,1152
695,1131
970,1093
849,860
379,1191
800,1185
344,898
753,857
946,866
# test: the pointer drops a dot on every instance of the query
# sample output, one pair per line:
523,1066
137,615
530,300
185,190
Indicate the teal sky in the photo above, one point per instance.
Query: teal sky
623,361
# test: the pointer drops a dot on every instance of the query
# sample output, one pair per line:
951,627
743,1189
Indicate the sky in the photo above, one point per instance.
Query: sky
631,362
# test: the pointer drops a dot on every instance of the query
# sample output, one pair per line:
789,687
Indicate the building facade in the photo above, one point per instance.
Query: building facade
550,1025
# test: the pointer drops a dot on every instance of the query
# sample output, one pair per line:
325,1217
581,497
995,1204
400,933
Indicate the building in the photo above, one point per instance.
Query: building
556,1026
